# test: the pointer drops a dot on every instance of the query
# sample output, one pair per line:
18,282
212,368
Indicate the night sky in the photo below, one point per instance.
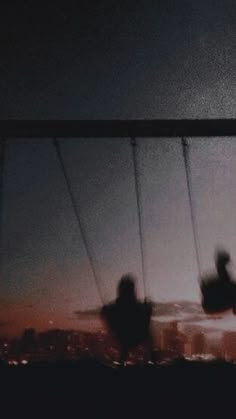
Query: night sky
164,59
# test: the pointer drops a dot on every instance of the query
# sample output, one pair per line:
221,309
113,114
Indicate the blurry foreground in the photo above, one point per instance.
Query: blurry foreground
90,389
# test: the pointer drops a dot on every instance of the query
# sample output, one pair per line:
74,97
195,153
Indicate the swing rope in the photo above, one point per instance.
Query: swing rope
2,168
134,146
185,150
78,218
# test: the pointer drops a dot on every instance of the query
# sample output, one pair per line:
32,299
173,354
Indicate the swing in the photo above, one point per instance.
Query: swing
218,292
127,318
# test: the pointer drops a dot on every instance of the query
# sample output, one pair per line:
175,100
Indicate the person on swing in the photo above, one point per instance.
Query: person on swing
128,318
219,292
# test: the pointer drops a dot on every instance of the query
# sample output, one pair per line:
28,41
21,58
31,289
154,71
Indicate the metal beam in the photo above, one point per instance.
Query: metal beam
117,128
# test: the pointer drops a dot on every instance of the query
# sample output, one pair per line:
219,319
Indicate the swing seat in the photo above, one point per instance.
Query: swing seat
218,296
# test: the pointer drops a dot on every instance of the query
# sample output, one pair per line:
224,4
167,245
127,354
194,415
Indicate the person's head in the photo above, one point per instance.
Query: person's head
222,258
126,287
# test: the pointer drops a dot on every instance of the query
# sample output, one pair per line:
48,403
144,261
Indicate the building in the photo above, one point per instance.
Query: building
198,344
229,346
173,341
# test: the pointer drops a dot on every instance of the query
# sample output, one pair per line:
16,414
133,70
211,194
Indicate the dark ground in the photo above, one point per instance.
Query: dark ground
89,389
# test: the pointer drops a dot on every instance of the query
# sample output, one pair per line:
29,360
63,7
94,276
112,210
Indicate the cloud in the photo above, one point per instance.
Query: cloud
87,313
176,308
185,312
182,309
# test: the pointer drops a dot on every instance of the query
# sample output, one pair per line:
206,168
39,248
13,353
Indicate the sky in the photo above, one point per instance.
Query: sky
45,273
133,60
109,59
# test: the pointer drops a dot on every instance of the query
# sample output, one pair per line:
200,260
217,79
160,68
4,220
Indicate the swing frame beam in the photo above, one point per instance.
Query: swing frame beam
117,128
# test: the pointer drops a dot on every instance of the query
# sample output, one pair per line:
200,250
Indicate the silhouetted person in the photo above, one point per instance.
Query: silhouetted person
219,291
128,318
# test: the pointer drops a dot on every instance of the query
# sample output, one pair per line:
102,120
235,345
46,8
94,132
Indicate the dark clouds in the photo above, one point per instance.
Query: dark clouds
163,59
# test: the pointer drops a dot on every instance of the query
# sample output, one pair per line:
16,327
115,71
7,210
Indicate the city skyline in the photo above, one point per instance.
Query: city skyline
190,343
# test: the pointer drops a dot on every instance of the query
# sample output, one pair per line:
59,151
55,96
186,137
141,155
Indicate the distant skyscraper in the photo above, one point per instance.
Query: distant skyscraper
29,340
198,344
229,344
173,340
